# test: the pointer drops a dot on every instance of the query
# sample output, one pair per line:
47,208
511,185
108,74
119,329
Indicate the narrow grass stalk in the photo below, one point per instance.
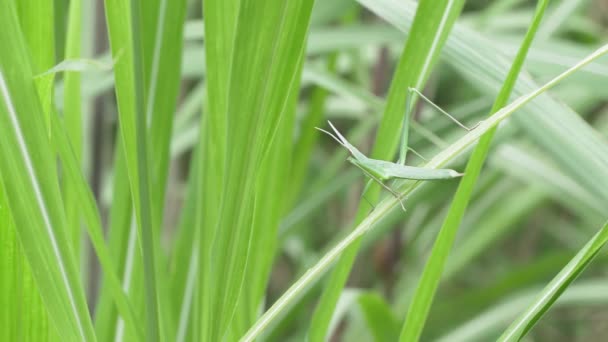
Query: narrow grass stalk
82,195
547,297
144,210
125,32
72,113
427,286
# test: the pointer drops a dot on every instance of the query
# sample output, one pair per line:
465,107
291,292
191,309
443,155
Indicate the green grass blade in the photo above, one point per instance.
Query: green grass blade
308,136
306,141
429,281
219,26
125,253
125,39
162,31
184,262
72,114
140,184
86,205
268,212
269,41
588,292
530,168
162,25
163,49
433,22
19,296
407,188
28,171
522,325
38,27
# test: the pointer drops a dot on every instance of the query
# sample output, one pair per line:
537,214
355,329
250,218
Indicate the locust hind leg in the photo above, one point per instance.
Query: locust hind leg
386,187
369,182
451,117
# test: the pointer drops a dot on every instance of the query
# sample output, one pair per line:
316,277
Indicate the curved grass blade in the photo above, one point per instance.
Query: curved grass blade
28,172
405,188
161,30
484,326
429,281
545,300
84,198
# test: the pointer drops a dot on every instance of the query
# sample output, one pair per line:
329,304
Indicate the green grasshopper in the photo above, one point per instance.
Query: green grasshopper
381,170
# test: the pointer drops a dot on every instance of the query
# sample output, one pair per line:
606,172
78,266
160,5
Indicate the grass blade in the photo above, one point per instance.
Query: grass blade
125,31
589,292
38,27
140,180
72,114
263,68
86,204
429,281
18,288
32,190
219,26
161,31
433,22
520,327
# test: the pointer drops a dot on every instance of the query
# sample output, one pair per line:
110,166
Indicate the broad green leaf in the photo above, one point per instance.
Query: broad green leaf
32,191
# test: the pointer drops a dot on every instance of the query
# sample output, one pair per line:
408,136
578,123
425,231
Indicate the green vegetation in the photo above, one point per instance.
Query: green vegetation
161,177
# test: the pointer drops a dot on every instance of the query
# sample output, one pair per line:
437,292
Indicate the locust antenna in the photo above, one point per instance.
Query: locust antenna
331,135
